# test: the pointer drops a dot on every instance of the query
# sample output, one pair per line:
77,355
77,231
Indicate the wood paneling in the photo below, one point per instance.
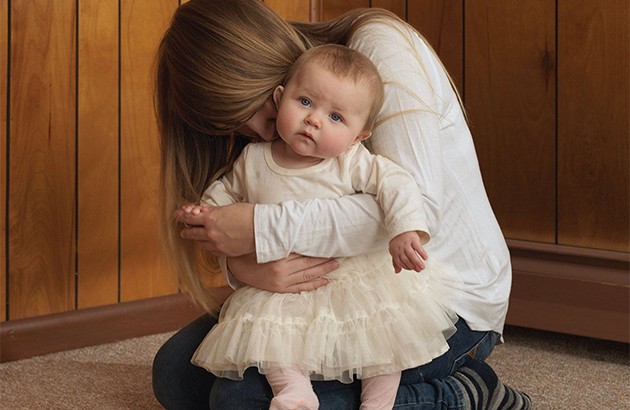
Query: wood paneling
296,10
398,7
42,157
81,131
4,54
593,126
441,22
144,271
98,153
333,8
510,95
322,10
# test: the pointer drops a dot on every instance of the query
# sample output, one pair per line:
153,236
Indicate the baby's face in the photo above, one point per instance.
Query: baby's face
320,114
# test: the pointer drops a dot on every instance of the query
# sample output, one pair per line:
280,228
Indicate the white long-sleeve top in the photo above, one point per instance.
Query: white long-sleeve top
257,178
432,141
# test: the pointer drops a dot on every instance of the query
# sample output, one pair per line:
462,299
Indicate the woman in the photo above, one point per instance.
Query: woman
217,67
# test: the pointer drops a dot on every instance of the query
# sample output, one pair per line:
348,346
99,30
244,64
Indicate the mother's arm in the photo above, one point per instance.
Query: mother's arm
279,234
322,228
346,226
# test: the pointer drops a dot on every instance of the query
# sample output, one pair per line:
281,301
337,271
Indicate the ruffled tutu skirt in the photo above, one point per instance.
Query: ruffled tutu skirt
367,321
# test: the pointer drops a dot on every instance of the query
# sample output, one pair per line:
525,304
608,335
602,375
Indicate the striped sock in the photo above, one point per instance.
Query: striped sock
484,391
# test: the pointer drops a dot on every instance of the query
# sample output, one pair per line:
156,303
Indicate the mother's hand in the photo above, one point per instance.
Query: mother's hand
222,230
293,274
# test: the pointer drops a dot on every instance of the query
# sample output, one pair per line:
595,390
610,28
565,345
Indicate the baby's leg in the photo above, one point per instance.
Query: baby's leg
379,392
292,390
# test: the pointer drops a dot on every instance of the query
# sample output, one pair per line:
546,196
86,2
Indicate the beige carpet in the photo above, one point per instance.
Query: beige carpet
558,371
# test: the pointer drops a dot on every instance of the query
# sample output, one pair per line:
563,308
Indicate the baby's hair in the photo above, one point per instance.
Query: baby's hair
345,62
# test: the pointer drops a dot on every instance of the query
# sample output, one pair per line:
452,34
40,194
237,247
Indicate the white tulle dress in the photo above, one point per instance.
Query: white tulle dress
367,320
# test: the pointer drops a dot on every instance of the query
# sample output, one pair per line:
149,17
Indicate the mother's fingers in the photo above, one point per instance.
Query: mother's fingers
197,233
305,269
307,286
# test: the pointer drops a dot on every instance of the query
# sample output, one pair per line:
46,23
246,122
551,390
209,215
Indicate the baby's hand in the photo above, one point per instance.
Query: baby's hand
407,252
194,209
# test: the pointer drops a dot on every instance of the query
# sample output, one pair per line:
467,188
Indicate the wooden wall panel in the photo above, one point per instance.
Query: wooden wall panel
98,153
296,10
144,270
593,126
510,96
42,157
398,7
333,8
4,55
65,116
441,22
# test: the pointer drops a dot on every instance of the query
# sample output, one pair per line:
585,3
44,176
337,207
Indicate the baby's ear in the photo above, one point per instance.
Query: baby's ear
365,134
277,95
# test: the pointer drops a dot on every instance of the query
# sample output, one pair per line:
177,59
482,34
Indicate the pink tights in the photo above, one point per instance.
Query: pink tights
379,392
292,390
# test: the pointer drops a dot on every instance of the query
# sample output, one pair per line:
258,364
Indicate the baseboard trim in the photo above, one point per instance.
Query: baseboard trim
24,338
571,290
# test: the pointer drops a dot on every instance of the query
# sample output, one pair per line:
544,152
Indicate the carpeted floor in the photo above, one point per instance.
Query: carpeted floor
558,371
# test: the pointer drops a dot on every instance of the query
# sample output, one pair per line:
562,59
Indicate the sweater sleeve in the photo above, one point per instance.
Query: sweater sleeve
395,189
346,226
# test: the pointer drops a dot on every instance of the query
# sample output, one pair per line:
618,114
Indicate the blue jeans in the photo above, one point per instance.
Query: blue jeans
178,384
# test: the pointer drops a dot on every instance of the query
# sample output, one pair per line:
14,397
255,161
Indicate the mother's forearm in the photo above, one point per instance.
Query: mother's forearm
347,226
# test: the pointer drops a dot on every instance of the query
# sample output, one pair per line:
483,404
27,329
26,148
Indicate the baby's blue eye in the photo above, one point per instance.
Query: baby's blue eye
335,117
305,102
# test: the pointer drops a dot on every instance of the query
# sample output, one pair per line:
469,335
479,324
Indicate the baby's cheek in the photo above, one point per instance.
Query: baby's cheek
333,148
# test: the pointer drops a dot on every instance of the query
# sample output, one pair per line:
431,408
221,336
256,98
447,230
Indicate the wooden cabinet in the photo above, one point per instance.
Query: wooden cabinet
545,84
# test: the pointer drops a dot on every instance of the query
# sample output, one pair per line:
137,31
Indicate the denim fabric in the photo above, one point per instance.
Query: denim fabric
178,384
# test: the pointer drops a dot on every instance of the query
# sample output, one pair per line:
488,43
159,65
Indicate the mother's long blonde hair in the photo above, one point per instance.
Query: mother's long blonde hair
217,64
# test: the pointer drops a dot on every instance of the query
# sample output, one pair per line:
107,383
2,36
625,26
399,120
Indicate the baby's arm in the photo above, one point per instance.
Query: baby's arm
402,202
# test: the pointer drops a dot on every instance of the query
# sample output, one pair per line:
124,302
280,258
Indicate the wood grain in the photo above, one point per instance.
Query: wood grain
398,7
98,153
593,126
144,270
441,22
510,96
334,8
4,55
42,151
296,10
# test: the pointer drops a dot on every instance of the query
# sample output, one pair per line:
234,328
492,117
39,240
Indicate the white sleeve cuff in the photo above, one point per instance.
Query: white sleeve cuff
229,276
